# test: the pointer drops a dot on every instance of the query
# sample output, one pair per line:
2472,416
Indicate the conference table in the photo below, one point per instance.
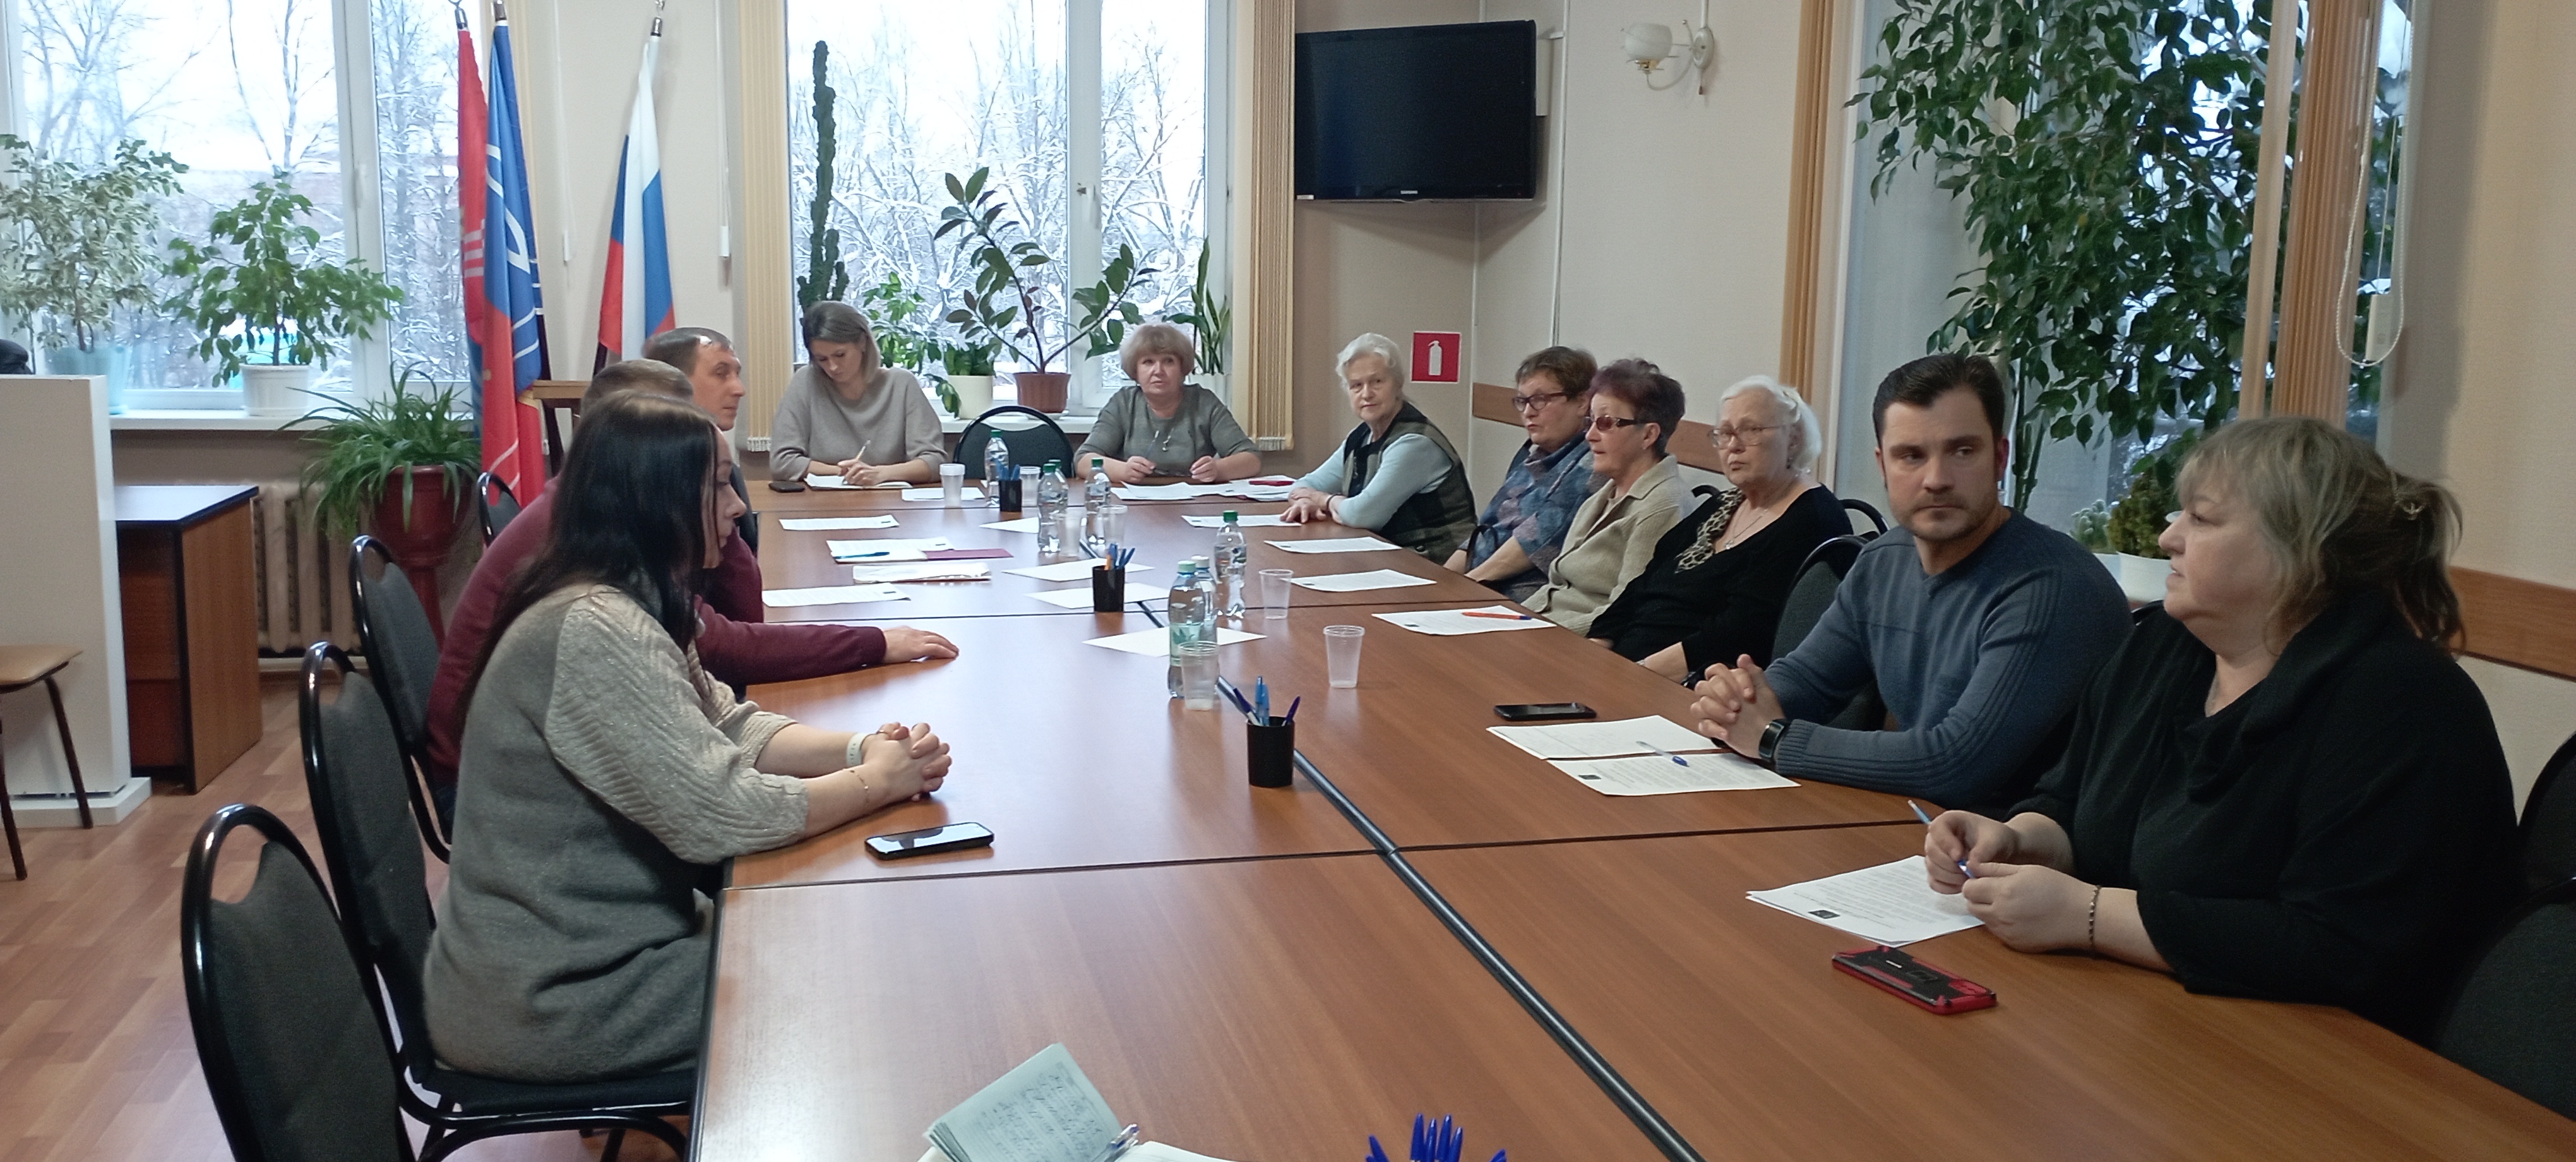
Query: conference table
1427,920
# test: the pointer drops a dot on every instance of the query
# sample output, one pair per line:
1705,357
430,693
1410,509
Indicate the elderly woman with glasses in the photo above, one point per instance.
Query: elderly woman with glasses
1524,524
1164,426
1714,590
1395,475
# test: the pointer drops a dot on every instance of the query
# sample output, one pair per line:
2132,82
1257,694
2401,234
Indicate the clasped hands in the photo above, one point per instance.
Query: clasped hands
2027,904
1204,470
912,760
1307,504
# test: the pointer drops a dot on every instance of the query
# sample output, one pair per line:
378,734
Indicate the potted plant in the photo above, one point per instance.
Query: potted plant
1211,319
967,368
78,248
274,307
890,308
402,468
2091,528
2139,519
1004,308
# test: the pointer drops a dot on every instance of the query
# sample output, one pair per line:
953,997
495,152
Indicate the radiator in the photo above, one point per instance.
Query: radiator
303,574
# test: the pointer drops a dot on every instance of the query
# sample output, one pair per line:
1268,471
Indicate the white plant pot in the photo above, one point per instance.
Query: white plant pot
974,394
2143,578
276,389
2110,561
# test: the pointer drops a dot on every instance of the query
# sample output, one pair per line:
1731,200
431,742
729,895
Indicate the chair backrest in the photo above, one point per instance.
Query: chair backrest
293,1046
2514,1016
1813,592
1878,524
359,786
402,655
1031,445
496,512
749,521
2549,822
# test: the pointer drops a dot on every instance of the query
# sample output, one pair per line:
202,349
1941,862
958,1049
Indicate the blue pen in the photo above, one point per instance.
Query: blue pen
1678,760
1927,822
1293,704
1261,699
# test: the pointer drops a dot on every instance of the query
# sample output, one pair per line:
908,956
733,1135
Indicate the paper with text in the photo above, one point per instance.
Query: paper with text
1601,740
1892,903
1026,524
922,571
1044,1110
937,493
817,480
884,548
1079,597
817,524
831,595
1455,622
1360,582
1656,775
1332,545
1157,643
1247,520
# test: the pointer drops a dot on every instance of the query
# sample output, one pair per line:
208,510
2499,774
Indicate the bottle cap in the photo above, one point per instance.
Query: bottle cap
1053,465
1229,516
1095,461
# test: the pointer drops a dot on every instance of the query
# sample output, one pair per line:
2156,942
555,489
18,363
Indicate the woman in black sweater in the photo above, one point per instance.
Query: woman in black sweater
2282,786
1714,590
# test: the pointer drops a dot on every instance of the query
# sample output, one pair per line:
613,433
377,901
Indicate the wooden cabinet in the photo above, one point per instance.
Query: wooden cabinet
184,568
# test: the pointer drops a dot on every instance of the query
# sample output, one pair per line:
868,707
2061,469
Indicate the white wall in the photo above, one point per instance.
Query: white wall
2478,392
61,580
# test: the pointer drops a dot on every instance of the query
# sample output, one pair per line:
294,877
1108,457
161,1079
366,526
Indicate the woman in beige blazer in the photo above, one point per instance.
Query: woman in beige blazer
1634,409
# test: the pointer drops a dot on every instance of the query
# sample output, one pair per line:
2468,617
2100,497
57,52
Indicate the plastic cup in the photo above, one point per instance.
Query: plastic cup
1274,593
1198,676
1342,655
1113,523
952,484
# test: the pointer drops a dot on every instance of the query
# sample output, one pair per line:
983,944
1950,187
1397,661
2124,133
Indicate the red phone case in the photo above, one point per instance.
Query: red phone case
1927,986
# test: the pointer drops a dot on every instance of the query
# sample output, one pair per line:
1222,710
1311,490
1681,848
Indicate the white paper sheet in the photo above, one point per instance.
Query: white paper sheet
936,493
1656,775
1184,490
1599,740
1079,597
1078,569
1892,903
885,549
1140,1152
815,481
1026,524
817,524
1454,622
1358,582
1249,521
1157,643
1332,545
922,571
830,595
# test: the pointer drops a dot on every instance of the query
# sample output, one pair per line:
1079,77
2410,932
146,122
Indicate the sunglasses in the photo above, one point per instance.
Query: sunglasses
1612,423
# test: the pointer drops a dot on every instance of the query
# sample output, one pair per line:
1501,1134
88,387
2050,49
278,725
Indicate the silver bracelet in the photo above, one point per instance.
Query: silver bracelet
2091,914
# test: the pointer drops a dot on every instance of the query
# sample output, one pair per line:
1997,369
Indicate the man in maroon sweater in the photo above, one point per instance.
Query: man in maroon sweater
734,644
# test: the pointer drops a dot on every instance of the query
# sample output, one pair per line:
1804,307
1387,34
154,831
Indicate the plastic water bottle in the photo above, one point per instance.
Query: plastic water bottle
997,468
1096,499
1052,495
1181,616
1232,553
1204,580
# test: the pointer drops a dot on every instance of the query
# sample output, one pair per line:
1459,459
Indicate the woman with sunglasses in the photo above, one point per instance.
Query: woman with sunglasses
1715,587
1633,410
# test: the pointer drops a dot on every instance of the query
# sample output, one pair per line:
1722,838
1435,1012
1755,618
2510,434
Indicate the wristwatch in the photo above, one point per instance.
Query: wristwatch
1769,748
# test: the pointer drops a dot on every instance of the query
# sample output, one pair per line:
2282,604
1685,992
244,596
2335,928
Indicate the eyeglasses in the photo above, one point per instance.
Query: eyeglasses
1531,403
1612,423
1744,437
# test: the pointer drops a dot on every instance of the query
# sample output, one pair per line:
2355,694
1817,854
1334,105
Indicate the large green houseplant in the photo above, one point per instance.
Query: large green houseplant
2105,153
1009,300
267,305
401,468
76,245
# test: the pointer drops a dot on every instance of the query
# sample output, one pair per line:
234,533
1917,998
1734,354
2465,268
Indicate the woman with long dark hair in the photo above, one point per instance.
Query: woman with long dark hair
602,771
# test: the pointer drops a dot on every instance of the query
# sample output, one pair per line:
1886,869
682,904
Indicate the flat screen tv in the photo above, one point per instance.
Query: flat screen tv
1436,111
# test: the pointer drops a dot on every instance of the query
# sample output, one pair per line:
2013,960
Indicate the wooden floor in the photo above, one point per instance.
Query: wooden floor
96,1060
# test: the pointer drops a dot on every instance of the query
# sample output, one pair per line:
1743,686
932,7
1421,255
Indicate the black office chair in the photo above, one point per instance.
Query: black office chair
292,1045
496,513
1031,445
2549,823
1809,596
749,521
402,661
354,774
1877,523
2514,1017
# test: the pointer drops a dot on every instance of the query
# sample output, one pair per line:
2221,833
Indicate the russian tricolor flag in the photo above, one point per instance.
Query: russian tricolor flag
635,297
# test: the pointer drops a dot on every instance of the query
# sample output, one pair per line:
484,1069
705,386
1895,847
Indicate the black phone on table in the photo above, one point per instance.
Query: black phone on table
787,486
1537,711
930,840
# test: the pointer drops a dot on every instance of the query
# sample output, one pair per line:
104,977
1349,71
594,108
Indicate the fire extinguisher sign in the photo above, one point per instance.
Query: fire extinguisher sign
1435,356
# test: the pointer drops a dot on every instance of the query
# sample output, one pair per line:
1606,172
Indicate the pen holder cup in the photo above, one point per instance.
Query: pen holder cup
1109,590
1270,752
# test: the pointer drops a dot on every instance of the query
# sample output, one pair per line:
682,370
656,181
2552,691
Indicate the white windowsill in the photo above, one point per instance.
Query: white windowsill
192,420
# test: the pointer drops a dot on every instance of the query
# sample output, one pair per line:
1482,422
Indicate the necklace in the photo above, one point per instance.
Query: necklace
1757,521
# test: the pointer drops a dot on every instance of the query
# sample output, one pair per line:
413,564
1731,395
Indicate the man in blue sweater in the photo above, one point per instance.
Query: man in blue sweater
1980,625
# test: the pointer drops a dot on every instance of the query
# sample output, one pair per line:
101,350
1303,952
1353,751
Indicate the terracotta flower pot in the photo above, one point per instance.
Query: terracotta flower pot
1043,390
421,543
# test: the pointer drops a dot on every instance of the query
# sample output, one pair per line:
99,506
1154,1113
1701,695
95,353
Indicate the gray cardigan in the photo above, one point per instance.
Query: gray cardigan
601,770
892,422
1611,541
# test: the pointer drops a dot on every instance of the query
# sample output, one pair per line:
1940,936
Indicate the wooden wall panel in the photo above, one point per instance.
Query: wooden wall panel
1265,236
764,289
2312,373
2530,624
1812,152
1690,443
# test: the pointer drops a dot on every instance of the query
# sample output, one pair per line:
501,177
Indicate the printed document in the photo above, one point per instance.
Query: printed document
937,493
816,524
1079,597
814,480
1892,903
1074,570
1453,622
1598,740
831,595
1246,520
1026,524
1357,582
1332,545
923,571
1157,643
1656,775
884,548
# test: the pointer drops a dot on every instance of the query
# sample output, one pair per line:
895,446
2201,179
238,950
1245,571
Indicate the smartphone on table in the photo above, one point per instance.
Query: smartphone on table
1540,711
1924,985
930,840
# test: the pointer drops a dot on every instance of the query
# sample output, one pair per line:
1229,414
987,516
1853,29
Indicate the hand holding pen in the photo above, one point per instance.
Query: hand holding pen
1959,838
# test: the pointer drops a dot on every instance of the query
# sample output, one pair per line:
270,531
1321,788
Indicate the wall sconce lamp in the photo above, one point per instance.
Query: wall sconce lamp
1649,45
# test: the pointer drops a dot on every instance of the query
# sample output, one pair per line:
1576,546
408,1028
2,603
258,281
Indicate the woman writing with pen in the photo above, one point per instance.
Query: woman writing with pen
846,414
2282,786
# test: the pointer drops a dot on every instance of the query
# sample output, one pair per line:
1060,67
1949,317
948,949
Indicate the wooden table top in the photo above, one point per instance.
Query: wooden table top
1074,755
799,560
1263,1010
138,505
828,501
1729,1019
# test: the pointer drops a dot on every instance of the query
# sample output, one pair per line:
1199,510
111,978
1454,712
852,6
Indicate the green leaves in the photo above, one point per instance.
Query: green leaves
1099,314
1209,315
826,277
272,300
363,444
75,241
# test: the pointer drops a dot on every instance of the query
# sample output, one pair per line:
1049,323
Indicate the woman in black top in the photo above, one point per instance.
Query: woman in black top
1714,590
2282,786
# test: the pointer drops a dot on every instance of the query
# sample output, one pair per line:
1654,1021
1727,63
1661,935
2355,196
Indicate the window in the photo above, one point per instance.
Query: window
240,88
921,91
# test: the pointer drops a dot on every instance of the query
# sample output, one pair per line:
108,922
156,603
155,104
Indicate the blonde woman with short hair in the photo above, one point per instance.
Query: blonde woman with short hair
849,415
1164,426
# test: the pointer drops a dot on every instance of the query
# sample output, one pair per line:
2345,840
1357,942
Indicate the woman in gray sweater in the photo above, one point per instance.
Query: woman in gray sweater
849,415
602,771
